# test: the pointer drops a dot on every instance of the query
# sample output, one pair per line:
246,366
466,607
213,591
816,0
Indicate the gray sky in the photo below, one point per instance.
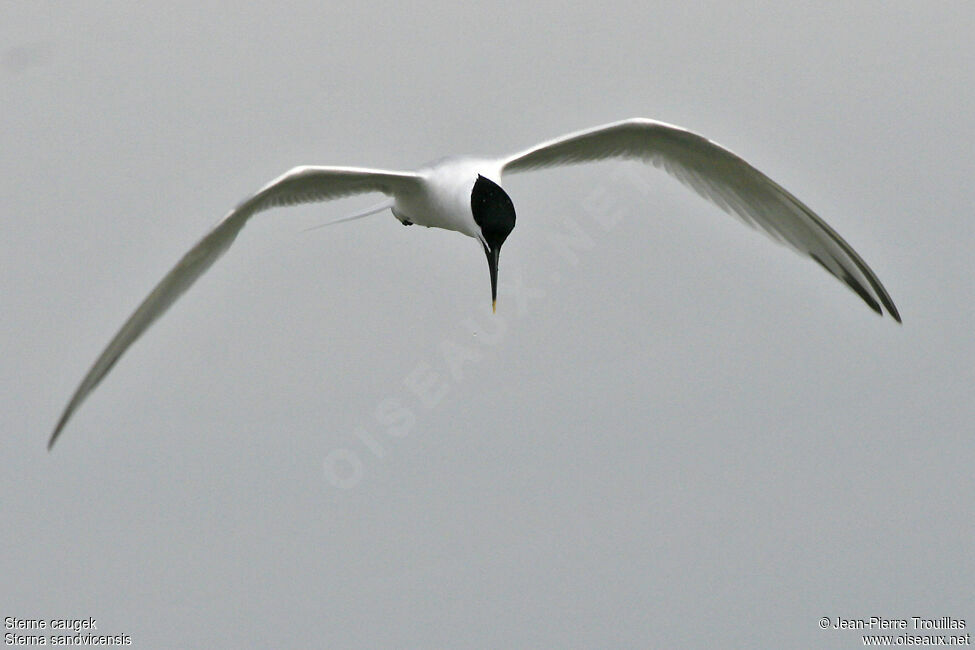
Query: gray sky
680,435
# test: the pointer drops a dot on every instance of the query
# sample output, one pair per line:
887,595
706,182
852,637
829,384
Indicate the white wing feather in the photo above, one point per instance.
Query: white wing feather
723,178
300,185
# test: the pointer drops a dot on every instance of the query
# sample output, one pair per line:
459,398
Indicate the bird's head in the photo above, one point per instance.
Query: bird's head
494,214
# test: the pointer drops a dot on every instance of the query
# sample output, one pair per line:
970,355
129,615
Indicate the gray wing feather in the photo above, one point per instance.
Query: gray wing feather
725,179
300,185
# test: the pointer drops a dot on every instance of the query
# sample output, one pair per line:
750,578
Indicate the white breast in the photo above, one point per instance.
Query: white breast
445,198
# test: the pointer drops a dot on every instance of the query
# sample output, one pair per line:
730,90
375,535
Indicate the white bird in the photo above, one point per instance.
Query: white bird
464,194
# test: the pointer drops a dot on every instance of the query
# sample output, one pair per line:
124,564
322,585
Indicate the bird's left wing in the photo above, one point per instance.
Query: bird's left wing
721,177
300,185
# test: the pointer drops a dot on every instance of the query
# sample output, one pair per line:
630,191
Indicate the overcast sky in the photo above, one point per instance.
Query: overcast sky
676,435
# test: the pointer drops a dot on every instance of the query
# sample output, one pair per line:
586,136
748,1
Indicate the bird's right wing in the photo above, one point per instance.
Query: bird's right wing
300,185
721,177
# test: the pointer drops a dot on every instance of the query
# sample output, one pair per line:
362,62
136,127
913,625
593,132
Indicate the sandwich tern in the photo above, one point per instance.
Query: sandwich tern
464,194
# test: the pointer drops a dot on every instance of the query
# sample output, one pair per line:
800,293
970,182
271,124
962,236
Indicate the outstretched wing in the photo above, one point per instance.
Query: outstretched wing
723,178
300,185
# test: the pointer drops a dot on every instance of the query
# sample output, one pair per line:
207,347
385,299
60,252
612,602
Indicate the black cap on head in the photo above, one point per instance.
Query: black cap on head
494,213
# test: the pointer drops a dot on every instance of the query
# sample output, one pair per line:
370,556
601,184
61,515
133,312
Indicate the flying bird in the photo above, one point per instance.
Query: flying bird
465,194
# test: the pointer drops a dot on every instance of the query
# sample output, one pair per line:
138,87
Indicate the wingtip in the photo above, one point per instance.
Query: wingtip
886,300
889,309
862,291
57,430
889,306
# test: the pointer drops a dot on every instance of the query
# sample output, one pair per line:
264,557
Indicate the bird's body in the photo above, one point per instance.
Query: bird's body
464,194
443,196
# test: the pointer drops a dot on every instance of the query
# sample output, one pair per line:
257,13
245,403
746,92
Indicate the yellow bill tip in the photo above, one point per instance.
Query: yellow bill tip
494,306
